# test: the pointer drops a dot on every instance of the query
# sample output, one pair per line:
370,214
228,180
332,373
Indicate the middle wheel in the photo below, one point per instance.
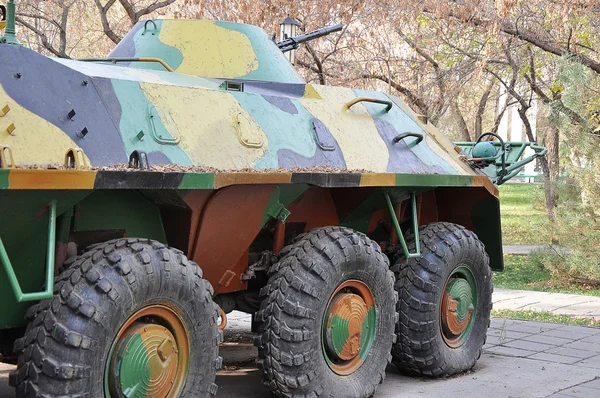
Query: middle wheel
326,325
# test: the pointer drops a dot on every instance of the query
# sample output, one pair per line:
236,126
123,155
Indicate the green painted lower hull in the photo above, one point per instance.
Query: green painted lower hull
24,232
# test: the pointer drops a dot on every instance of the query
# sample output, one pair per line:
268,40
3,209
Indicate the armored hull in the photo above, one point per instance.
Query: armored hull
201,136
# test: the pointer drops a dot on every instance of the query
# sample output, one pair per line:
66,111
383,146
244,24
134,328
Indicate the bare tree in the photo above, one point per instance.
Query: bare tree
48,20
60,27
134,11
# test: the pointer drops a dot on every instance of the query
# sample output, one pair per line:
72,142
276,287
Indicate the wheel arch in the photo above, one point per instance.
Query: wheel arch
476,209
110,214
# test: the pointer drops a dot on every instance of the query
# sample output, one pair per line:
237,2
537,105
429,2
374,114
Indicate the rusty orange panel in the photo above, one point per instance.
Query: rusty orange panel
381,215
231,220
196,200
315,207
429,208
485,181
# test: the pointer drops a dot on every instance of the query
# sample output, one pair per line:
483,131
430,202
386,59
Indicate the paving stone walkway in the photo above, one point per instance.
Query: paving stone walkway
549,342
549,360
521,359
523,250
562,304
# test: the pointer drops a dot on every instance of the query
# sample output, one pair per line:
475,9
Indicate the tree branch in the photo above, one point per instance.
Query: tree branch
150,9
462,124
510,28
532,38
411,97
418,50
320,71
43,37
103,10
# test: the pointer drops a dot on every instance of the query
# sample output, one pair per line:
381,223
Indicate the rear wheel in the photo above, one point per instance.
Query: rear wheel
327,322
445,299
130,317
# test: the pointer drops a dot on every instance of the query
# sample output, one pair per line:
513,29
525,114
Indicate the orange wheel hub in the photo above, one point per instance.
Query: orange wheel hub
149,357
458,307
349,327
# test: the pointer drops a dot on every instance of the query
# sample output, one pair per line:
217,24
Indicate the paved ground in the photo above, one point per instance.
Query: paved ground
523,250
564,304
521,360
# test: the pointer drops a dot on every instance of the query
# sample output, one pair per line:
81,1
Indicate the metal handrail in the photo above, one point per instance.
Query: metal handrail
116,60
419,137
355,101
12,277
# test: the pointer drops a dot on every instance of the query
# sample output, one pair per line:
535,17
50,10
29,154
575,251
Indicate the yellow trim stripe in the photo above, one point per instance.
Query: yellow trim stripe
51,179
378,180
85,179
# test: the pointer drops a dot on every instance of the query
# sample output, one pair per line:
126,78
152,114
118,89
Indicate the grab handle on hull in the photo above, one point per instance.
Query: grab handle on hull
389,104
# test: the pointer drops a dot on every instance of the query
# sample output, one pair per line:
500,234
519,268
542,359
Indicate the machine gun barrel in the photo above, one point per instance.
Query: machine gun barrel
292,43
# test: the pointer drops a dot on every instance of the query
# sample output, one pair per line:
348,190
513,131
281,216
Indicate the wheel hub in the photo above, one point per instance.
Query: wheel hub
458,305
346,315
349,327
146,361
149,357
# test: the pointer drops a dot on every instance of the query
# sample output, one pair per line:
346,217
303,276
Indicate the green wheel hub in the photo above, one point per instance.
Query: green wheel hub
458,307
146,361
349,327
149,357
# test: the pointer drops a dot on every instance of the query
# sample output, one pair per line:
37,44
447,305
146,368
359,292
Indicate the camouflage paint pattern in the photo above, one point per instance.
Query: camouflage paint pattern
348,341
234,120
189,118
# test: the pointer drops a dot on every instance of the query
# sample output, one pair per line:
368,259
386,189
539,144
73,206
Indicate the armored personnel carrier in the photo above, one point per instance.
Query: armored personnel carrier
192,173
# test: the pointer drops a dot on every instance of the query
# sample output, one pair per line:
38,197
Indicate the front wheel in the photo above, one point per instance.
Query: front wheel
129,318
326,325
445,299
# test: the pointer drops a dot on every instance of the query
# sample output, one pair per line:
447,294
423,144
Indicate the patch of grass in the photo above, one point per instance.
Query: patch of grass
525,222
524,219
524,273
545,316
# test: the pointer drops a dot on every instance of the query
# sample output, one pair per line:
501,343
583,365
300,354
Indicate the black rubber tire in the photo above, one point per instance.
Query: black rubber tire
296,298
68,339
420,348
7,339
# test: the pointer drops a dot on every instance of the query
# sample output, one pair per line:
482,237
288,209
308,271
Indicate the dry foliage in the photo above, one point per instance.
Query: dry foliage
448,59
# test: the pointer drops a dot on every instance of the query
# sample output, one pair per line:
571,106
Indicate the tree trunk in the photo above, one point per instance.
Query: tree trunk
462,124
550,186
550,168
478,130
579,163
